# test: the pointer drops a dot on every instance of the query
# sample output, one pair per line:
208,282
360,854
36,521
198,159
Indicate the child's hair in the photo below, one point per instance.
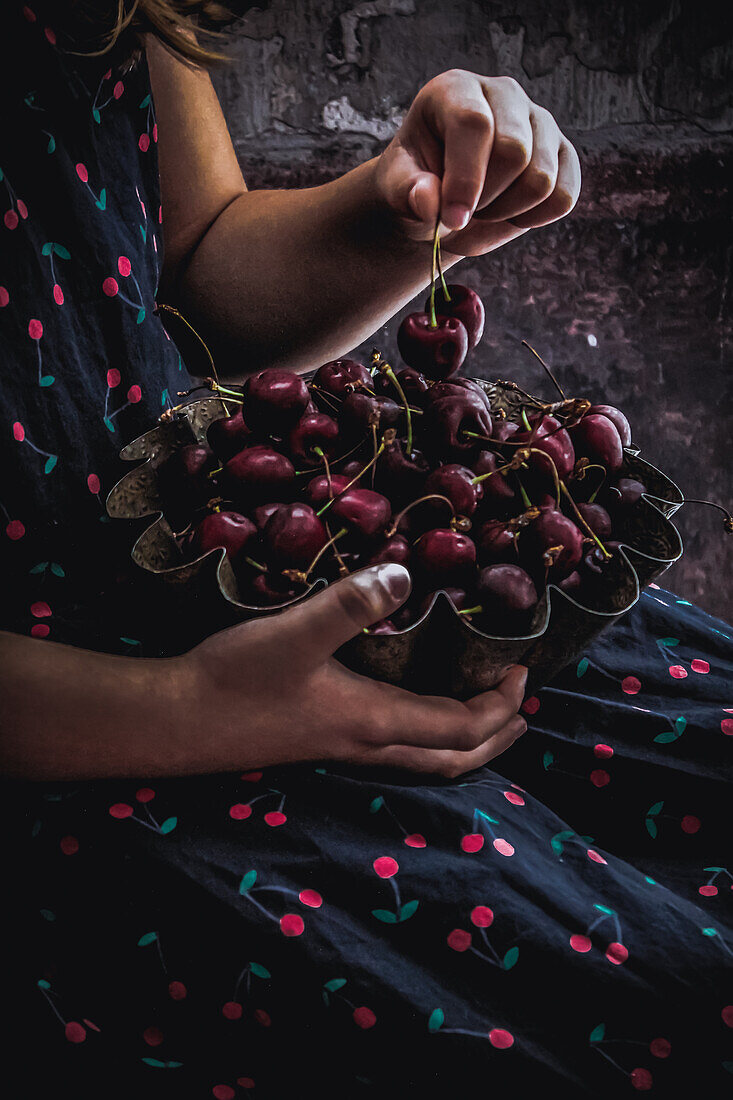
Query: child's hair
192,29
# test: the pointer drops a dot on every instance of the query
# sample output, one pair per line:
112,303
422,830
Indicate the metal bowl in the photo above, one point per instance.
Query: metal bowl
441,653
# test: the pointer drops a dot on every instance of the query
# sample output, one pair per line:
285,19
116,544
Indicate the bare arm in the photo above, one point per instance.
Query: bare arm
266,692
297,277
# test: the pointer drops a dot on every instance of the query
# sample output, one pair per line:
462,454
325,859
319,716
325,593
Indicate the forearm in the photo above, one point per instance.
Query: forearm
295,278
69,713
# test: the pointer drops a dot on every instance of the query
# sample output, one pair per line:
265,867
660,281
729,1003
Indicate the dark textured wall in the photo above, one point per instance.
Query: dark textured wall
629,298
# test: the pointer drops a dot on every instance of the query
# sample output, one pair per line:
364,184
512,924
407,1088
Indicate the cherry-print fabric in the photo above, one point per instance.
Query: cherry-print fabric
561,918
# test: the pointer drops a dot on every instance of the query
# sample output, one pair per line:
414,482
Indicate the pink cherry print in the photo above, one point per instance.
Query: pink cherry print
660,1048
18,432
58,294
124,266
459,940
15,530
251,777
275,818
145,794
222,1092
386,867
74,1032
592,854
630,685
118,89
482,916
292,924
40,630
35,329
641,1079
726,1015
364,1017
153,1036
232,1010
177,991
263,1018
69,845
677,672
603,752
726,726
708,891
580,943
245,1082
531,705
110,286
29,14
93,484
240,811
113,377
22,208
120,810
690,823
599,777
514,798
4,297
311,898
82,173
698,665
415,840
143,143
50,35
472,842
503,847
155,131
500,1038
40,610
134,394
616,953
11,219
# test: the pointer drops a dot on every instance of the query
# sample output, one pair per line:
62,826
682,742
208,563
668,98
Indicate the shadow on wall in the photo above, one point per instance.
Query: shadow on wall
628,299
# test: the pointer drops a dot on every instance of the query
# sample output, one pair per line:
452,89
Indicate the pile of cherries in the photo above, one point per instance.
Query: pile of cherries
365,464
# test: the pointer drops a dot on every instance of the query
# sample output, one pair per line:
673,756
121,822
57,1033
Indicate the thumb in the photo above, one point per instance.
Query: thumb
321,624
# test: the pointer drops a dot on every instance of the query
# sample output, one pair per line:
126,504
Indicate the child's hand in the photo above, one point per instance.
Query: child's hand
480,152
270,692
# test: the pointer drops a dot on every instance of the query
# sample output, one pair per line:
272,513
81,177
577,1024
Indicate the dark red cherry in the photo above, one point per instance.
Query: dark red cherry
274,400
456,483
266,589
498,493
465,305
228,436
354,468
320,489
597,519
360,412
414,385
257,475
595,561
341,376
229,530
437,352
496,542
508,597
444,557
552,439
454,387
384,626
617,418
597,439
552,542
401,476
262,513
504,429
446,422
572,583
363,512
183,482
314,430
292,536
395,549
624,495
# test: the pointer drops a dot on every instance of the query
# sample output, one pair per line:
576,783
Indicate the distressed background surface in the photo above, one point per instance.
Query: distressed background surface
629,298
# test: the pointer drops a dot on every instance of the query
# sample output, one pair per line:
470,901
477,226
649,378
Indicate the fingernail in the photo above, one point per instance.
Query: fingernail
395,579
455,215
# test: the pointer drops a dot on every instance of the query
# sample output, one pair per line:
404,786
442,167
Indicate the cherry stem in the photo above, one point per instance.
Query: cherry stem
392,529
583,522
513,465
302,575
580,475
327,397
446,295
343,569
552,378
231,394
354,480
478,610
256,564
525,420
433,263
318,451
386,369
523,493
213,473
728,520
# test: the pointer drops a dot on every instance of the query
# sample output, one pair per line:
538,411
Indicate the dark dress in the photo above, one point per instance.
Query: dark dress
560,919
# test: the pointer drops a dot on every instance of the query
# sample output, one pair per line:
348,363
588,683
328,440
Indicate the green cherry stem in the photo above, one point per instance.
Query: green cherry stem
301,575
354,480
582,523
392,529
256,564
525,420
433,265
387,369
477,610
728,518
446,295
552,378
523,493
